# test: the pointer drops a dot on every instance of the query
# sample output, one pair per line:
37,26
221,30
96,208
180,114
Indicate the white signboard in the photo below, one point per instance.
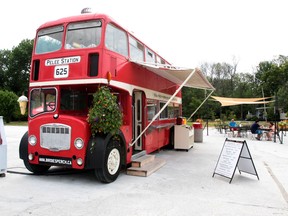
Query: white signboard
228,159
234,154
61,71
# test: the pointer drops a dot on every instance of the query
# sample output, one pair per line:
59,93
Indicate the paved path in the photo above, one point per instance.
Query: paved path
183,186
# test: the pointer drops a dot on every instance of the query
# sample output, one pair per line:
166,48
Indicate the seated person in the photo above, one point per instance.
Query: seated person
271,131
256,129
233,126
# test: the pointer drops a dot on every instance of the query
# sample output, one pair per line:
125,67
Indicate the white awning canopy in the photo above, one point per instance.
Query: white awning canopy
225,101
192,78
178,75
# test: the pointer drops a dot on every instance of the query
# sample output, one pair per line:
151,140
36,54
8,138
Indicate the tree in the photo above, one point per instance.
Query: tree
274,77
8,104
4,65
15,67
229,83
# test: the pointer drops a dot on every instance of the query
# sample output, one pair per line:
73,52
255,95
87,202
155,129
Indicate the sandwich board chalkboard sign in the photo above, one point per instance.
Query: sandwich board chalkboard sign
234,153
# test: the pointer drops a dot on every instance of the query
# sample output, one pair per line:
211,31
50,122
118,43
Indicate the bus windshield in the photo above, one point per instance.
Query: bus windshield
83,34
73,100
42,100
49,40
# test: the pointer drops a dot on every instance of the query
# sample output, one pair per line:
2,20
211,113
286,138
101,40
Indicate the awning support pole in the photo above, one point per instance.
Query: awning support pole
171,98
200,105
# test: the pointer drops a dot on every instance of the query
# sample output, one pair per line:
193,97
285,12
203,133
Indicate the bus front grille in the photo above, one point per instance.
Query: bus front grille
55,137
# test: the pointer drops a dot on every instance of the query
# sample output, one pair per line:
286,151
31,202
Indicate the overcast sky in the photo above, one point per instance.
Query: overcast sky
186,33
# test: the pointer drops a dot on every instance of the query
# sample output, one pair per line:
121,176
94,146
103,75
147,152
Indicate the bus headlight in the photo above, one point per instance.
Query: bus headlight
78,143
32,140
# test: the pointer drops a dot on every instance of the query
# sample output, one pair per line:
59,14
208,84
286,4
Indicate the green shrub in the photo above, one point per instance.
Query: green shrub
8,104
105,115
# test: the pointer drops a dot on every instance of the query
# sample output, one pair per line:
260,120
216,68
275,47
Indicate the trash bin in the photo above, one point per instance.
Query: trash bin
198,132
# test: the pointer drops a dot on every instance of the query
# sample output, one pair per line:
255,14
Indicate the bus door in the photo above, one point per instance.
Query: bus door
138,119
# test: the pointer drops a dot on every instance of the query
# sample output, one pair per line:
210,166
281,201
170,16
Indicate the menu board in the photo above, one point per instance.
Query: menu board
234,154
228,159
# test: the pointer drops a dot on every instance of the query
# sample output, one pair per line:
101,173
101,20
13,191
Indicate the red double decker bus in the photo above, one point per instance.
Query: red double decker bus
72,57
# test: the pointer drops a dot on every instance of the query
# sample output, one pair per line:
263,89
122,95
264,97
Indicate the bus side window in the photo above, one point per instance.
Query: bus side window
136,49
164,113
159,60
151,109
150,56
116,40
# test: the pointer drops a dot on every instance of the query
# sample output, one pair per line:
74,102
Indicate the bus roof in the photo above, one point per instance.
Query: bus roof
90,16
76,18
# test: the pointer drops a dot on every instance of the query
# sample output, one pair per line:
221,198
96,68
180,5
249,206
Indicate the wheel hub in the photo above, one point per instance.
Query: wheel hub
113,161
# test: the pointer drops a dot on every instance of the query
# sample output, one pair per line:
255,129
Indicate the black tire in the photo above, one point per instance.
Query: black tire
111,167
35,168
23,152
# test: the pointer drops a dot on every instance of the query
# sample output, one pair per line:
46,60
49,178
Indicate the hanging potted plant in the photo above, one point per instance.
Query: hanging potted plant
105,115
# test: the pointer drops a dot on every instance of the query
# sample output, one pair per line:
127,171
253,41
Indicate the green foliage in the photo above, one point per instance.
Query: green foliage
15,67
19,67
232,115
4,65
271,79
274,77
8,105
192,98
105,115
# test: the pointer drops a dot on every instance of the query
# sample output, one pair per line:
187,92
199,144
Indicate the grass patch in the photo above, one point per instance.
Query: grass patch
17,123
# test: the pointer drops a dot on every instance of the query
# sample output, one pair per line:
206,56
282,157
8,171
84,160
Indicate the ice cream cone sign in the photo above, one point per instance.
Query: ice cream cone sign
22,100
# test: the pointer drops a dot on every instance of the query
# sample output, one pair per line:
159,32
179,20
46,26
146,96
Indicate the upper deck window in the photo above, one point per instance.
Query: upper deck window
150,56
136,49
49,40
116,40
83,34
159,60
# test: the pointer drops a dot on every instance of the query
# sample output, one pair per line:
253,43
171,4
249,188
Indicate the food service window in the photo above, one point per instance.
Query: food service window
164,113
151,109
171,111
176,111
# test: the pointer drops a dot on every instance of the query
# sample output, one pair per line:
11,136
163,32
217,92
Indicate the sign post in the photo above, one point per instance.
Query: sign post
234,154
3,149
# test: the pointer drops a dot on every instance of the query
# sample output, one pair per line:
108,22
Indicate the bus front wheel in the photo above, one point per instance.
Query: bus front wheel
23,153
110,169
36,169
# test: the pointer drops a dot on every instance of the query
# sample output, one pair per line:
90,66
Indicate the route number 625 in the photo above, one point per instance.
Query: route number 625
61,71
